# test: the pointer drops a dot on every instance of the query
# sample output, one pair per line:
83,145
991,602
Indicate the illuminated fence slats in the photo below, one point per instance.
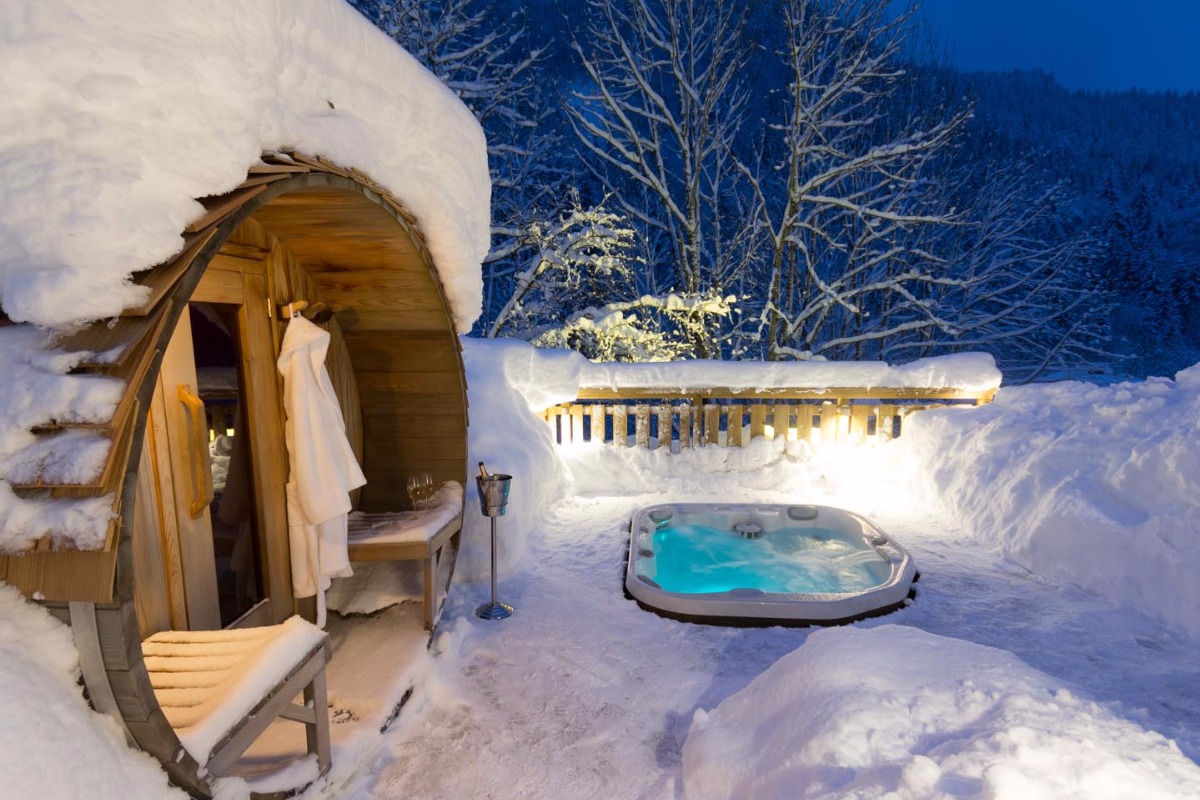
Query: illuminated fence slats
718,417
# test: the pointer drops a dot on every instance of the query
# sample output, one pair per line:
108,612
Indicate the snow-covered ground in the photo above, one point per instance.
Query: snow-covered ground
997,681
582,694
1003,679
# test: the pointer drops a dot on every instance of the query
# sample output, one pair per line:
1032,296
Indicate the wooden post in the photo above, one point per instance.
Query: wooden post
685,426
858,421
576,422
712,424
803,423
597,427
621,425
885,423
733,425
781,420
642,425
664,426
822,427
758,420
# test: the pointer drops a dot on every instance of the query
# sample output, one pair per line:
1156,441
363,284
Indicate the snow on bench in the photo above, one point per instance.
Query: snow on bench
221,689
418,535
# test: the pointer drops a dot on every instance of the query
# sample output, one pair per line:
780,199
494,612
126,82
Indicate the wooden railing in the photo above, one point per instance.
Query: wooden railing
732,418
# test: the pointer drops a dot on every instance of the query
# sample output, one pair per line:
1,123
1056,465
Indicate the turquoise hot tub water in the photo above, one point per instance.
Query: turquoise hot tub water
742,562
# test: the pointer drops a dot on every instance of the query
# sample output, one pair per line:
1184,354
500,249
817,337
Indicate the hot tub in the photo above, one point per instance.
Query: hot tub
772,564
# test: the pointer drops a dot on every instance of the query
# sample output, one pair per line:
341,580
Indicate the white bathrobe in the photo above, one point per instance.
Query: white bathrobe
323,468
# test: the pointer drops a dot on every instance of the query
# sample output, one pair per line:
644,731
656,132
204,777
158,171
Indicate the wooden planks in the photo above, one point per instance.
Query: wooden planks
162,280
84,576
155,561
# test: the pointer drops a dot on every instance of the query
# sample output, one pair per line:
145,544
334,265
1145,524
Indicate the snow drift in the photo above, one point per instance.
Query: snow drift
509,382
1098,486
54,746
898,712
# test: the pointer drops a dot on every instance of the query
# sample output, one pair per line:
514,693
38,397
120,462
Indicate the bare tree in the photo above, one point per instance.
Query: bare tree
1019,283
846,211
490,66
660,118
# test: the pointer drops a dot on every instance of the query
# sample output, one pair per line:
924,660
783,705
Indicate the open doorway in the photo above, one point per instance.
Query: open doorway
236,557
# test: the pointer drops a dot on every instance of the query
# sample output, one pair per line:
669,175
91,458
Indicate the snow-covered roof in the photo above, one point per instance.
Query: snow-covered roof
115,117
118,114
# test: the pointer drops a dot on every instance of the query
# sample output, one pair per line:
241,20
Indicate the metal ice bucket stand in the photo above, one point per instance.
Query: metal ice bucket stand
493,502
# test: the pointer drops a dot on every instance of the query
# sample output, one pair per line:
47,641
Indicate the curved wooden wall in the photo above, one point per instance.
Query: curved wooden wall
329,235
373,269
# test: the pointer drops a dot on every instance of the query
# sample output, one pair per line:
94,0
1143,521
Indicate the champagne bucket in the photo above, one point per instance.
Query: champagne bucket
493,494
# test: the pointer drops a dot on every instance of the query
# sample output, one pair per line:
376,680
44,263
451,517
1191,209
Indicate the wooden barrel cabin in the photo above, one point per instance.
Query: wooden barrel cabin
197,548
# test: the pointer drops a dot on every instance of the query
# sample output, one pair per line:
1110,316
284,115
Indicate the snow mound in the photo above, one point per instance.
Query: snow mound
972,372
509,380
54,746
116,116
1091,485
898,712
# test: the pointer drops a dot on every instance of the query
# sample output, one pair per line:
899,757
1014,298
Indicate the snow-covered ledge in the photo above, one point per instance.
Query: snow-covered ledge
971,373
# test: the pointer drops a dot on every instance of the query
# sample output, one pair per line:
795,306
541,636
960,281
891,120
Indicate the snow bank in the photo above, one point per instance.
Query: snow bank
116,115
54,746
1096,486
509,381
975,372
898,712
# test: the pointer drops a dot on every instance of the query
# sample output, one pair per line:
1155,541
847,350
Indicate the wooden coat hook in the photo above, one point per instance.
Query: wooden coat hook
293,309
318,312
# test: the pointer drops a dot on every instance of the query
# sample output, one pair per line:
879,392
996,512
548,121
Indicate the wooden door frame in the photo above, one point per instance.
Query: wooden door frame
242,282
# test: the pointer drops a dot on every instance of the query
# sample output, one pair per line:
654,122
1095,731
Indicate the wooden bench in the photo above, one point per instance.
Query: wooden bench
220,690
418,535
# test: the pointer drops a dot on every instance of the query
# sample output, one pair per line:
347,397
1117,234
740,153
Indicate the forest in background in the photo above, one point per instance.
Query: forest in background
675,179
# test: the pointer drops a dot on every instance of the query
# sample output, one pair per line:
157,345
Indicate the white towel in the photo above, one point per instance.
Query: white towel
323,468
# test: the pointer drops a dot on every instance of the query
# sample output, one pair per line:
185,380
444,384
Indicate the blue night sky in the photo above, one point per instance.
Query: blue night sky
1087,44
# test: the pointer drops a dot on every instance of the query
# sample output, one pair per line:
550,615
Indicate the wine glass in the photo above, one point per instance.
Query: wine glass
420,489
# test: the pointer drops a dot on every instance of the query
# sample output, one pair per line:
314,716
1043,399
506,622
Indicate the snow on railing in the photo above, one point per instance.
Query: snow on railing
670,404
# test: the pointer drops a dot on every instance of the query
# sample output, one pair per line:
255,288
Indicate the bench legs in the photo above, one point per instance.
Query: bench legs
429,580
316,698
309,678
